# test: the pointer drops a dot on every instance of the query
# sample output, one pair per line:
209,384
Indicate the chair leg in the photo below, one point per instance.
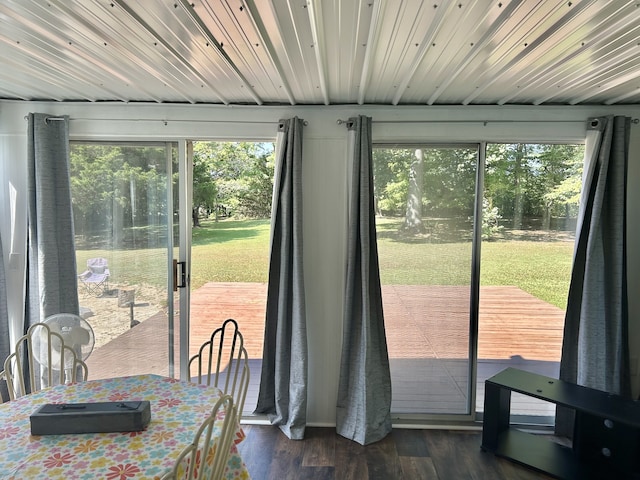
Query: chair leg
95,289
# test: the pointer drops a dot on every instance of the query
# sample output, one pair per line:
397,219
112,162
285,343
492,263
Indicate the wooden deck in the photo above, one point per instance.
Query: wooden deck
427,335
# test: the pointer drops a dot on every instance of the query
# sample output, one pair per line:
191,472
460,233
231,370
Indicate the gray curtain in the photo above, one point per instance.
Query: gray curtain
283,383
52,282
364,391
595,351
4,323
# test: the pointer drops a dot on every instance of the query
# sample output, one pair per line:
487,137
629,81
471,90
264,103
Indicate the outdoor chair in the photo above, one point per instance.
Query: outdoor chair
95,279
41,360
223,362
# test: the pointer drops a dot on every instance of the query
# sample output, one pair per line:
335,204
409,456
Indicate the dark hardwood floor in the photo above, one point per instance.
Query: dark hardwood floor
405,454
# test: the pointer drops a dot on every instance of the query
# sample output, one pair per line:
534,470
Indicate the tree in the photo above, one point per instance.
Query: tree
446,172
534,180
204,187
413,216
391,182
519,172
233,178
565,162
116,187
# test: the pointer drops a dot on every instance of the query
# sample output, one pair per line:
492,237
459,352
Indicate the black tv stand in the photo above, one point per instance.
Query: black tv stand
606,443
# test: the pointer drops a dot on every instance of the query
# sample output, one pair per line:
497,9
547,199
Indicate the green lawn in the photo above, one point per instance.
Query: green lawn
542,269
230,251
237,251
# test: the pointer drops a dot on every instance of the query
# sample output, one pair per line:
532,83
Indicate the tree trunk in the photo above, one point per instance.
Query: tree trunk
413,217
546,218
195,217
518,204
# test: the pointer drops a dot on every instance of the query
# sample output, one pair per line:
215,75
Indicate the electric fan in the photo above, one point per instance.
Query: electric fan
75,332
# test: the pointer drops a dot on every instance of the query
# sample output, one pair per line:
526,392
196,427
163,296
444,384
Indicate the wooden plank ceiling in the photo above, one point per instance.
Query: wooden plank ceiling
322,52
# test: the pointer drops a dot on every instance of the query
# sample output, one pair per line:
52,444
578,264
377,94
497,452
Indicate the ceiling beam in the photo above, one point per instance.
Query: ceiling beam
599,42
556,28
425,45
374,27
265,40
624,96
630,74
478,46
219,50
158,38
112,62
317,28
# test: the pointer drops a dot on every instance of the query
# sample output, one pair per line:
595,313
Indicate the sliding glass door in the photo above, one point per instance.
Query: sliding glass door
531,195
125,214
475,246
425,203
230,218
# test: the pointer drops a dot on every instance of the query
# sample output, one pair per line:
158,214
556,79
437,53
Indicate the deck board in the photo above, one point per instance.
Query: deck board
428,351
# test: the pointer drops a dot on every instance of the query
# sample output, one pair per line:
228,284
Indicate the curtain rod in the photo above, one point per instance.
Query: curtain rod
340,121
164,121
484,122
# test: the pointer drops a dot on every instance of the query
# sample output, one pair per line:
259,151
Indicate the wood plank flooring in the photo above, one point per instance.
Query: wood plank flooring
403,455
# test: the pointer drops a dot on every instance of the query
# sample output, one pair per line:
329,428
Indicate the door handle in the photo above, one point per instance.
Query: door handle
183,275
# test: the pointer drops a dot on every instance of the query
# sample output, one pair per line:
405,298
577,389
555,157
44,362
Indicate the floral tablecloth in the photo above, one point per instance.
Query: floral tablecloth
177,409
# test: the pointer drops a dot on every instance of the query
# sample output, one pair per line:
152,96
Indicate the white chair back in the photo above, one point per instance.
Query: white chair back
206,457
40,360
223,362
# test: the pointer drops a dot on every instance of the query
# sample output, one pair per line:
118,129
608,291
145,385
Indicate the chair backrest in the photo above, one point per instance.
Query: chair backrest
41,360
206,457
97,264
3,378
223,362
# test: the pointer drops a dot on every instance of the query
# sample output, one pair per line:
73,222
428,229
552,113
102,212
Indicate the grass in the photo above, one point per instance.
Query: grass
230,251
237,251
542,269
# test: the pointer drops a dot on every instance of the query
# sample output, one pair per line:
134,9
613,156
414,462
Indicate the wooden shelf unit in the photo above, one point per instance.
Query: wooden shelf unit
606,441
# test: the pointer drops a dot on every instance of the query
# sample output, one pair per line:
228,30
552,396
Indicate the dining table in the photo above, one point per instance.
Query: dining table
178,408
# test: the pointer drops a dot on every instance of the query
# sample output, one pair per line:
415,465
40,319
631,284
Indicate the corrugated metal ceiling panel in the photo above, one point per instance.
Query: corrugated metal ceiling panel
457,52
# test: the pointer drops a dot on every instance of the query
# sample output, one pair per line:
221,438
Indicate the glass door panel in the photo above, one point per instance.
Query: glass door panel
123,207
530,207
425,222
232,194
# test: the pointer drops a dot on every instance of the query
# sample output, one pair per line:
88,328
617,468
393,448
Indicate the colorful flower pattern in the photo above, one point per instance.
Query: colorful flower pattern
177,409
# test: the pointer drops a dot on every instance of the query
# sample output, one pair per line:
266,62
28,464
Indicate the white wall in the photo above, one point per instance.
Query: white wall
324,180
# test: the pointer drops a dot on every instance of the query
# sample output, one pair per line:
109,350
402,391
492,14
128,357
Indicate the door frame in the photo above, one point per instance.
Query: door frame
185,202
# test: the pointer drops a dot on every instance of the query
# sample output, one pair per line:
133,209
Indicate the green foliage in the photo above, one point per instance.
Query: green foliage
548,178
233,178
391,179
117,187
448,179
490,220
119,192
564,192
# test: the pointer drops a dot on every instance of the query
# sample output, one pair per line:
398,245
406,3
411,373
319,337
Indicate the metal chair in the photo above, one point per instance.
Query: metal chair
223,362
3,378
41,360
95,279
206,457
